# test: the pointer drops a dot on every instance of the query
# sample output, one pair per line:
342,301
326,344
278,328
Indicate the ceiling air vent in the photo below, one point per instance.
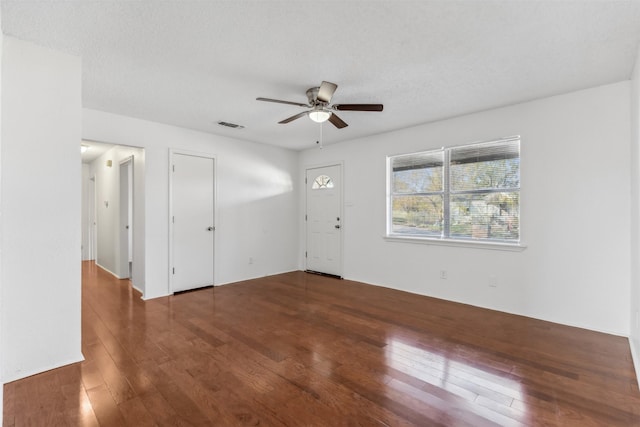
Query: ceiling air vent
230,125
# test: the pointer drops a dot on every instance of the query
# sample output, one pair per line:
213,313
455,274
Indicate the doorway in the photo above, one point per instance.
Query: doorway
324,220
113,199
191,222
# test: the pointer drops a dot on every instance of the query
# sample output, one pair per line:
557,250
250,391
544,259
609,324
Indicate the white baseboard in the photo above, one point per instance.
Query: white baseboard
111,272
107,270
24,374
259,276
145,298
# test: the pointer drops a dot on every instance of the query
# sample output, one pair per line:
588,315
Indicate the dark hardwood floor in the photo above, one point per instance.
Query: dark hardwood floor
304,350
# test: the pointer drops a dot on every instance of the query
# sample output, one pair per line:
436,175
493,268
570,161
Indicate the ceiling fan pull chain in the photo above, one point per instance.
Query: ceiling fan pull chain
321,135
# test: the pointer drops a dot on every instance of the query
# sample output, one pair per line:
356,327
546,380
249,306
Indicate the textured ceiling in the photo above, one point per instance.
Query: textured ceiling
193,63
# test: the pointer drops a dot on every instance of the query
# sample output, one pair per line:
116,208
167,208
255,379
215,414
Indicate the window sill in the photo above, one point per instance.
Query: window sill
496,246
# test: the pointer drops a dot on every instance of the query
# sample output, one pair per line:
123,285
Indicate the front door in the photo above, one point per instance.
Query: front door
192,226
324,220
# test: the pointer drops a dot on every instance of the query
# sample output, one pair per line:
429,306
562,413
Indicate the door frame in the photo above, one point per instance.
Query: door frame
172,153
307,168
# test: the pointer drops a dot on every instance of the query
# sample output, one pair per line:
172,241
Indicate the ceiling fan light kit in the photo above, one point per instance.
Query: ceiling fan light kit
319,116
320,109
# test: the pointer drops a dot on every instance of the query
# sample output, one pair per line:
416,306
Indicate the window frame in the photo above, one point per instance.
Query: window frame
445,237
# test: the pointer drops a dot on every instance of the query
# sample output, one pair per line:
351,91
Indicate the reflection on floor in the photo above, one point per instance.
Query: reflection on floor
300,349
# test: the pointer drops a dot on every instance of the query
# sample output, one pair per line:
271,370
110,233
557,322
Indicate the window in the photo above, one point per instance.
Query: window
322,181
462,193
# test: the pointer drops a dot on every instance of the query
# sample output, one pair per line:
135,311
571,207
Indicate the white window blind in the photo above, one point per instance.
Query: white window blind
470,192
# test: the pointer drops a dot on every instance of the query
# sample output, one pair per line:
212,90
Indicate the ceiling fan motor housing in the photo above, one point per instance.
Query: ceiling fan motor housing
312,96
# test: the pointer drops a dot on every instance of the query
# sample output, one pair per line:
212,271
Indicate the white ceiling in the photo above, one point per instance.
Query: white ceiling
193,63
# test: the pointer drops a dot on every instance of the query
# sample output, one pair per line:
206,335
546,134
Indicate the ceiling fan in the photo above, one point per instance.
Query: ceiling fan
320,108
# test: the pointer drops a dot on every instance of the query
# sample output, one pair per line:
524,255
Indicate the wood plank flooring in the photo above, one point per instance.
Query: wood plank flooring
304,350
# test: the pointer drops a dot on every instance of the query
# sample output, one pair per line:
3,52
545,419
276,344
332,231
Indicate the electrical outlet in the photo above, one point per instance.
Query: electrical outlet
493,281
443,274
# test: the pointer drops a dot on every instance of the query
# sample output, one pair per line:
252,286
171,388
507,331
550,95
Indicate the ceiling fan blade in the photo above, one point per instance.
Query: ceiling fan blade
326,91
337,121
358,107
279,101
292,118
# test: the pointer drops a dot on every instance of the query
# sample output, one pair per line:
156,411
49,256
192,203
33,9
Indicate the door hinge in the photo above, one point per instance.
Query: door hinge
174,270
173,219
305,217
173,168
305,180
305,254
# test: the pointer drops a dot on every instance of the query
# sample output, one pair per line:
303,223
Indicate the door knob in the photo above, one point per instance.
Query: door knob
210,228
337,226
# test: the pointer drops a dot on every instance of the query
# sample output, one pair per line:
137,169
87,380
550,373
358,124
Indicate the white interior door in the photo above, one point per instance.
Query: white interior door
192,222
93,246
125,219
130,211
324,220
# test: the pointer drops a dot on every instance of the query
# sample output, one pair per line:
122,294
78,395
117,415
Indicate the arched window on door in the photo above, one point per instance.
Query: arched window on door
322,182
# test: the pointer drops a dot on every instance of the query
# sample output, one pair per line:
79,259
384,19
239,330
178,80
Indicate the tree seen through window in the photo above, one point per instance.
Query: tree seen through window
470,192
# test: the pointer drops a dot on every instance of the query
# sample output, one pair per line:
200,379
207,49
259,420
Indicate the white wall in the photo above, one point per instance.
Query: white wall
40,226
634,297
1,283
108,212
575,212
256,201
